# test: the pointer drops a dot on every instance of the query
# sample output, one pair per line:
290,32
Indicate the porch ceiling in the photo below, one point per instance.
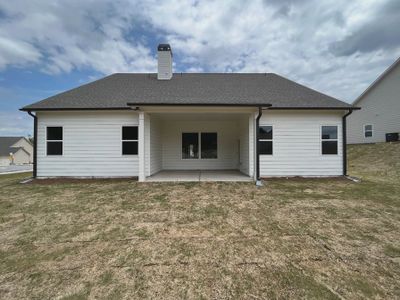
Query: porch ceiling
199,116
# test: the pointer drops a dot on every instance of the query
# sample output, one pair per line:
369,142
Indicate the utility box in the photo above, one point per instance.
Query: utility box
392,137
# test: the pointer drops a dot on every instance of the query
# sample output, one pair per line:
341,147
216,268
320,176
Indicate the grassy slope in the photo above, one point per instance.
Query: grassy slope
291,239
377,162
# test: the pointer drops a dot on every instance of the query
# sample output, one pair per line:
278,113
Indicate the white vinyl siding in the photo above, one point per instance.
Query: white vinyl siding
91,144
380,107
164,71
297,144
155,158
244,145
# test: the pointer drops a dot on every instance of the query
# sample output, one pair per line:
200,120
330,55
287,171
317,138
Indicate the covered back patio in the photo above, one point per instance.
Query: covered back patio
213,144
198,175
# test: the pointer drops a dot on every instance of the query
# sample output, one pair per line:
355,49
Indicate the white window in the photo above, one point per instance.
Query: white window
265,135
202,145
54,140
368,131
329,140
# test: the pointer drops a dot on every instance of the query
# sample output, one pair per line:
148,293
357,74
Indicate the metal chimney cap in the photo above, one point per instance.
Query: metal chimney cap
164,47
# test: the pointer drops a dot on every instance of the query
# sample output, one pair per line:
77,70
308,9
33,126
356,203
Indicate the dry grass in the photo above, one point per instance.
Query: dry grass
296,238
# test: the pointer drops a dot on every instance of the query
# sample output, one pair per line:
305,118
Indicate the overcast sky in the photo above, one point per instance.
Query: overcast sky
335,46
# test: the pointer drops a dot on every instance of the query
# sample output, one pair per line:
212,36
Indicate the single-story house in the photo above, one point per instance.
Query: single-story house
379,120
128,124
15,150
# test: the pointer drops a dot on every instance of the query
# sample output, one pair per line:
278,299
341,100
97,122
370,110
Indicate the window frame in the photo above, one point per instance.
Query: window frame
199,144
267,140
57,141
365,131
122,139
329,140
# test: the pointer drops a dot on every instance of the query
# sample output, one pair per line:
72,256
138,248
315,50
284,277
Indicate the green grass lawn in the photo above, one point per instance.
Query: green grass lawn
290,239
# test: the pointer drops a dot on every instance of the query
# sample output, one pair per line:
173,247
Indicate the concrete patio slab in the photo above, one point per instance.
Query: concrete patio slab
198,175
225,175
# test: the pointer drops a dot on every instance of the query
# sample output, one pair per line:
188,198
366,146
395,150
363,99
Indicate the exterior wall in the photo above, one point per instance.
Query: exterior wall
28,147
164,71
92,144
244,146
21,157
155,151
228,154
147,145
297,144
380,107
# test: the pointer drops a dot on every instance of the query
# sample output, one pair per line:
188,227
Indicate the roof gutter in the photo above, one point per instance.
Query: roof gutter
197,104
344,142
314,108
74,108
34,143
130,104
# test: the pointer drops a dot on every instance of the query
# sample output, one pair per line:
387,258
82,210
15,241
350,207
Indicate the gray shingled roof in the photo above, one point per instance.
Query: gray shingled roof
115,91
6,142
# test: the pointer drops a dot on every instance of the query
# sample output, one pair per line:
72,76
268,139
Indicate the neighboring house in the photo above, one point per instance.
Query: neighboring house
139,124
380,113
15,150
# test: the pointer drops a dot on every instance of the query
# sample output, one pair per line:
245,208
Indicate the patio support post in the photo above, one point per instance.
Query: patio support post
141,149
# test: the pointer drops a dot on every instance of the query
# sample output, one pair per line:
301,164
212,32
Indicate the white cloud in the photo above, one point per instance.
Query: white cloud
293,38
15,123
17,53
72,35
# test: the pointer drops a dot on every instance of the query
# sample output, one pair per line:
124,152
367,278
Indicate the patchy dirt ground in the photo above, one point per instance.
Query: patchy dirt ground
291,239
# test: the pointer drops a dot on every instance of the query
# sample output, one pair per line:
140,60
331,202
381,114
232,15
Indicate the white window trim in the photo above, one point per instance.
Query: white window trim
268,140
372,131
122,140
329,140
199,143
62,141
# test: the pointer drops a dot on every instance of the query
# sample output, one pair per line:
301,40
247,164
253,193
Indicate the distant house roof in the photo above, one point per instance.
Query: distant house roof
236,89
6,143
379,79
